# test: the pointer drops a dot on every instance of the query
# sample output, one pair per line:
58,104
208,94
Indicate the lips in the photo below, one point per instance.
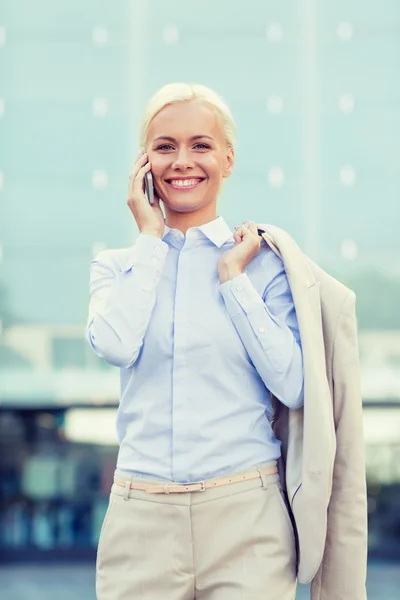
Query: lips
186,183
183,179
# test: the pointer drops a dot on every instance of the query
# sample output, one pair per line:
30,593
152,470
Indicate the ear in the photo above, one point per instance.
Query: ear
230,163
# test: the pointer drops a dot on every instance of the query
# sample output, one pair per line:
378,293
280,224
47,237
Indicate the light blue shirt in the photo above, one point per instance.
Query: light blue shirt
197,358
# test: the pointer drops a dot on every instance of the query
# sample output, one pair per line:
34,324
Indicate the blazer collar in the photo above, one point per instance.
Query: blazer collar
297,264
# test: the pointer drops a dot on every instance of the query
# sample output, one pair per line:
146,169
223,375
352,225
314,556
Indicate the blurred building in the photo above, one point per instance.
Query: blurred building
315,93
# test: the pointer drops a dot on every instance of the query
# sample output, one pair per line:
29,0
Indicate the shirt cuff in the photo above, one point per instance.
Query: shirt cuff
148,251
147,260
239,295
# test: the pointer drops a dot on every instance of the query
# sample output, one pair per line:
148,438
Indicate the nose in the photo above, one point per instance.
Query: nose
182,160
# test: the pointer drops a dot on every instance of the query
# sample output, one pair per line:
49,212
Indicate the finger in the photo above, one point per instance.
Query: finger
248,224
139,162
141,152
136,182
239,233
245,229
131,182
253,227
250,227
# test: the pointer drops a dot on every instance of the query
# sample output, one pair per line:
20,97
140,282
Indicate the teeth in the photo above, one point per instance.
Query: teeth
184,182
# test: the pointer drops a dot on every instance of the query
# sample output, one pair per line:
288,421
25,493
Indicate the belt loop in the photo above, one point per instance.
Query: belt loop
127,488
263,479
166,490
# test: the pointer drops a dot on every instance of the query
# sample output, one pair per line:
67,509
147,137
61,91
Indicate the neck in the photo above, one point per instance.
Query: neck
183,221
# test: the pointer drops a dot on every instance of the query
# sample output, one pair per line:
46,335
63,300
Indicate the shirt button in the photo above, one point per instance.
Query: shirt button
261,329
239,288
157,248
154,260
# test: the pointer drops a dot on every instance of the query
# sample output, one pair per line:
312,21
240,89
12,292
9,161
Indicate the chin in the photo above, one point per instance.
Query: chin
186,207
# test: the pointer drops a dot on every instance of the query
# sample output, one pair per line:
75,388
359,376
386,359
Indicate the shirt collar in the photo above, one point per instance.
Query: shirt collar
217,231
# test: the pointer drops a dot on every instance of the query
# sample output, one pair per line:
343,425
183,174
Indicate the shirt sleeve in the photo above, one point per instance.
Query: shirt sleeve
269,331
121,302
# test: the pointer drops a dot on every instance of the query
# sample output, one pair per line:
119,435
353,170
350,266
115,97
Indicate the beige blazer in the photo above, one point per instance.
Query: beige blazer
322,465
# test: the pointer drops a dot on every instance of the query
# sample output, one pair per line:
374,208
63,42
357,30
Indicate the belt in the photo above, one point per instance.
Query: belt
196,486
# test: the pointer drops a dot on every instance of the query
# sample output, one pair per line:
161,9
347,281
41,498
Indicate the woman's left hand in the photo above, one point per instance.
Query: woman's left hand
247,246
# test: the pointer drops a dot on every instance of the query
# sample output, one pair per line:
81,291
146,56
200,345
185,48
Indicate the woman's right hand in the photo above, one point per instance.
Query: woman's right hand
149,218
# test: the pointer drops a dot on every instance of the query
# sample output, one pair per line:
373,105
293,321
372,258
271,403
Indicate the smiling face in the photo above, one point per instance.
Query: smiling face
189,158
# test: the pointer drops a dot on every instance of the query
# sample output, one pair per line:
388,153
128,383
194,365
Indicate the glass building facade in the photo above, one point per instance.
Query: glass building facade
314,89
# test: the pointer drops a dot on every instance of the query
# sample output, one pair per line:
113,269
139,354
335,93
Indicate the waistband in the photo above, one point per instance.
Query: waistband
153,486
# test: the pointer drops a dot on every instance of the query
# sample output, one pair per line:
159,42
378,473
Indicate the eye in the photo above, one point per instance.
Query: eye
200,146
164,147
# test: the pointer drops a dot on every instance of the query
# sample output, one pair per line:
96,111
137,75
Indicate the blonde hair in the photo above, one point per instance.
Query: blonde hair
183,92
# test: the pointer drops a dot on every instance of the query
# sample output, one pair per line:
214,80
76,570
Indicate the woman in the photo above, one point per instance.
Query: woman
202,324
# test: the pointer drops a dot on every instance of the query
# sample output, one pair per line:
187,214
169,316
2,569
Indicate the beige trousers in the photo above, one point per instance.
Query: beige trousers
234,542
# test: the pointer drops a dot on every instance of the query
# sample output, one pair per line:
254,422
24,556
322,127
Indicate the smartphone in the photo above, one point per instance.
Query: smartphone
149,187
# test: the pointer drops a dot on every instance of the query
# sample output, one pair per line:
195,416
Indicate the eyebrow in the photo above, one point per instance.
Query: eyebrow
171,139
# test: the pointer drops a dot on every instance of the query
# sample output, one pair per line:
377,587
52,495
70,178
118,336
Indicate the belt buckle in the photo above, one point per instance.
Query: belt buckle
201,483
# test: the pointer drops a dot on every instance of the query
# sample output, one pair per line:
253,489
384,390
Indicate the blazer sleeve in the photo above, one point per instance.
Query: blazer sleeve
342,574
